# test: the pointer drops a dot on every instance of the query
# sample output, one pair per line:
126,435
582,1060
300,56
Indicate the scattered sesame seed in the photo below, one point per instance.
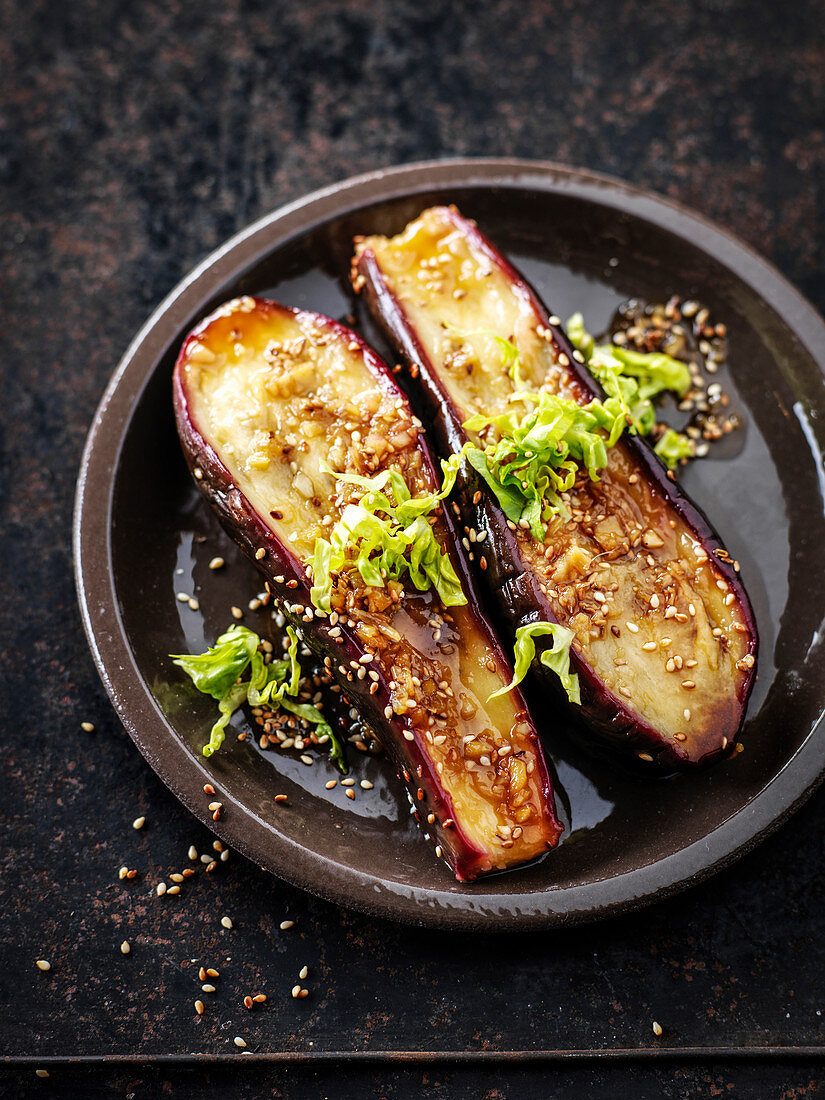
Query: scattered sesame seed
296,992
236,612
224,855
248,1002
87,727
139,822
366,785
657,1028
193,852
303,973
173,890
330,784
350,793
212,972
287,924
215,806
260,553
632,628
160,889
217,563
125,947
41,1073
305,759
41,964
208,788
207,987
226,922
199,1007
184,597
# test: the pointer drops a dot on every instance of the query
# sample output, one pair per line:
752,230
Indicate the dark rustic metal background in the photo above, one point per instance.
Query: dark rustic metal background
134,138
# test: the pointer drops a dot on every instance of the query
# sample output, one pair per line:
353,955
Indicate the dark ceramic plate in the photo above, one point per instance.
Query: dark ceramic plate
142,534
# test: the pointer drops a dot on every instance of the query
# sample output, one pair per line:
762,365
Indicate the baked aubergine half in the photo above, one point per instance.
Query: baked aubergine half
580,523
302,442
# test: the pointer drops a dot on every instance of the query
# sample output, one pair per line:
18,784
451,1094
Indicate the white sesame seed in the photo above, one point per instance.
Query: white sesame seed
236,613
305,759
87,727
139,822
226,922
125,947
296,991
238,1041
632,628
217,563
173,889
215,806
303,973
193,852
199,1007
286,925
207,987
184,597
657,1028
41,964
193,604
366,785
160,889
260,553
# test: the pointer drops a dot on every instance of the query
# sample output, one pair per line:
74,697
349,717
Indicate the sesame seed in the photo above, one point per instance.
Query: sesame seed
649,646
173,890
688,684
331,783
438,851
226,922
42,964
193,604
207,987
199,1007
176,877
260,553
654,601
686,713
350,782
208,788
139,822
87,727
248,1002
160,889
296,991
303,973
366,785
236,613
303,993
224,855
125,947
184,597
657,1028
217,563
286,925
350,793
632,628
193,852
305,759
215,806
645,756
123,872
41,1073
408,736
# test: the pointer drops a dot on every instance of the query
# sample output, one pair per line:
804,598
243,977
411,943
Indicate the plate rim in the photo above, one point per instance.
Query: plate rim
242,828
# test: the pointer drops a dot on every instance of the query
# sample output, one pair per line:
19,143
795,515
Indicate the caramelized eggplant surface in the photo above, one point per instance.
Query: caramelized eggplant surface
664,639
275,409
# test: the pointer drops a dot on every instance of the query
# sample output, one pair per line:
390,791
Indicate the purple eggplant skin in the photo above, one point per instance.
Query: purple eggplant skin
286,580
604,720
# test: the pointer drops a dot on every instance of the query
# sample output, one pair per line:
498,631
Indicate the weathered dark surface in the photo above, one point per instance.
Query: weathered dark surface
133,139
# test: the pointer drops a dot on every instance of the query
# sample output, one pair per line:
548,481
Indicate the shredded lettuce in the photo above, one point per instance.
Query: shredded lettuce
557,658
673,446
631,379
385,536
217,672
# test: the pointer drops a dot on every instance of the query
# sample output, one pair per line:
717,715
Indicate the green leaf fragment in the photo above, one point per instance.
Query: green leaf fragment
557,658
217,673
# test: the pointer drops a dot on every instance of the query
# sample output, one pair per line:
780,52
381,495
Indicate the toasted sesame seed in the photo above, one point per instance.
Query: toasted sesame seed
688,685
657,1028
224,855
331,783
260,553
366,785
87,727
305,759
303,993
217,563
350,793
139,822
202,974
286,925
193,852
41,1073
236,612
176,877
303,973
207,987
125,947
632,628
212,972
123,872
173,889
215,806
160,889
199,1007
226,922
438,851
248,1002
210,867
42,964
649,646
208,788
645,756
296,991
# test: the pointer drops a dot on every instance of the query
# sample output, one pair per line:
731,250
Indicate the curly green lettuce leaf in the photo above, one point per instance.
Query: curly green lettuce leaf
673,447
557,658
387,536
218,672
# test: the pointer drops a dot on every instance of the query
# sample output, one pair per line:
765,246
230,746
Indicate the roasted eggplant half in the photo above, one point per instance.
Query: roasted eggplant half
663,636
302,442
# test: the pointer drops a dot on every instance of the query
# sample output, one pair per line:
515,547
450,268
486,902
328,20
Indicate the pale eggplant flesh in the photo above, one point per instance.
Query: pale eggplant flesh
665,640
267,399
